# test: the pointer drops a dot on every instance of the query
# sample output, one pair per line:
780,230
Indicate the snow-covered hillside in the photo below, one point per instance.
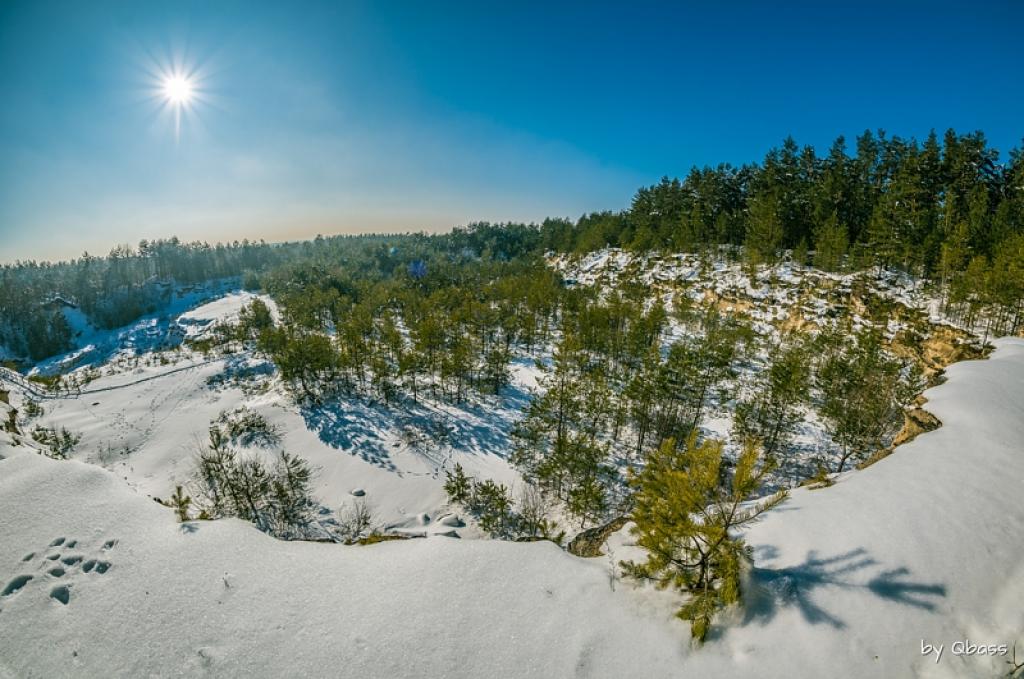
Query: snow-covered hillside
778,301
147,393
163,329
776,298
97,580
144,414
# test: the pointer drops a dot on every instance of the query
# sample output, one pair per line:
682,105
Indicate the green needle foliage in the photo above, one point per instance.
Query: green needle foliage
180,503
686,513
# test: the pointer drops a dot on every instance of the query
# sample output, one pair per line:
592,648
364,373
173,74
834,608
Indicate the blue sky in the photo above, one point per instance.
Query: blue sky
350,117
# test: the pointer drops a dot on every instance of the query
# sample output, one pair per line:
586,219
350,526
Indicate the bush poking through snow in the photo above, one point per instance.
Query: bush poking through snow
491,505
276,498
686,512
356,521
59,443
247,428
180,503
33,409
489,502
821,479
533,520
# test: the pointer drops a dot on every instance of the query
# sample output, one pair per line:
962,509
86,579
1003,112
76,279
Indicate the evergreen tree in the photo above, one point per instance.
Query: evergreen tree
773,410
180,502
830,244
686,511
764,230
863,395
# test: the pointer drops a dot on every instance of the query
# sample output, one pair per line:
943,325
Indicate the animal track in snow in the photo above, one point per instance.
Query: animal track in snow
14,585
61,568
61,593
98,566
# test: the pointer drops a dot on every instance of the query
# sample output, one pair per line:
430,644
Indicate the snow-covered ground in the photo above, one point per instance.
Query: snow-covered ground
148,399
780,291
96,346
924,546
143,415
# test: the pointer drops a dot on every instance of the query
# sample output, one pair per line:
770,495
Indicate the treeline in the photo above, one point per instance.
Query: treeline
947,210
110,291
893,202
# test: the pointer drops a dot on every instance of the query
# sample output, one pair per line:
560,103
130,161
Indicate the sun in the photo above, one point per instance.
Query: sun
177,90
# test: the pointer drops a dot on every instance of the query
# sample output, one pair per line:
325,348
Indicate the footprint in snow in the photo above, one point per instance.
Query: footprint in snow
63,567
16,584
61,593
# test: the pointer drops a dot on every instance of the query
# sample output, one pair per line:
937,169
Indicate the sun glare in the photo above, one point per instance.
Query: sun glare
177,90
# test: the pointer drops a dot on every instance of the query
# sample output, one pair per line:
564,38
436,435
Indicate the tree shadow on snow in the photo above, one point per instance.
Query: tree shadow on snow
771,590
430,429
352,426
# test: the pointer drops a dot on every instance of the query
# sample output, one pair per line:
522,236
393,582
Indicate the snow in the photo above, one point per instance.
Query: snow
223,599
776,287
923,545
95,346
196,322
144,415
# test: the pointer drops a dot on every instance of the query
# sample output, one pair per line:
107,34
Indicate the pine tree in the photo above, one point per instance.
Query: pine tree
291,486
774,408
254,318
180,502
457,485
863,394
831,242
764,230
686,512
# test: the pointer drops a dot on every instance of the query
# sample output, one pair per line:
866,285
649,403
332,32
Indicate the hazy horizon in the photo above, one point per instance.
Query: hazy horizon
395,118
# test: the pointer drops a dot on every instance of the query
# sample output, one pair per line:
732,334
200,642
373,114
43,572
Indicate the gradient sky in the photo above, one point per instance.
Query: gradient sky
349,117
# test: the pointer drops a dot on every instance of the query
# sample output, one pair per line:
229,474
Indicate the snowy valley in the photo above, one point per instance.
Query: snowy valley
921,546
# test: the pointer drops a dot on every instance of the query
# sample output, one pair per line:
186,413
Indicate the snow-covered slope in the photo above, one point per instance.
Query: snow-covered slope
927,544
924,545
221,599
157,330
143,415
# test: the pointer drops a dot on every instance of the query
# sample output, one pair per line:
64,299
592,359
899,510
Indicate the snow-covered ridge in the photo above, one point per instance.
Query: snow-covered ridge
922,546
777,292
